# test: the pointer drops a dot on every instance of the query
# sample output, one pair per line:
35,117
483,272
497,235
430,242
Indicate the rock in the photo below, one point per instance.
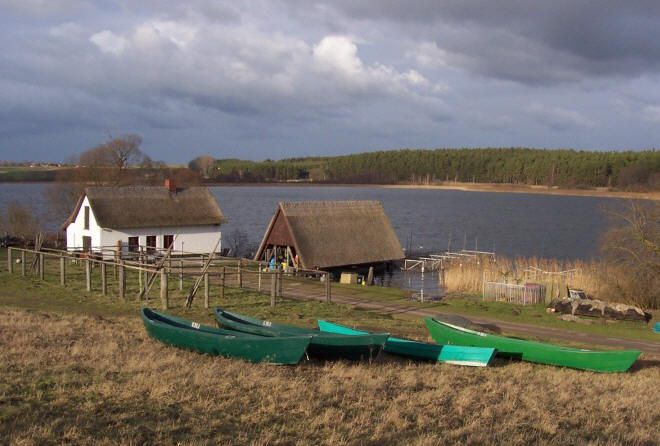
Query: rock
598,308
569,318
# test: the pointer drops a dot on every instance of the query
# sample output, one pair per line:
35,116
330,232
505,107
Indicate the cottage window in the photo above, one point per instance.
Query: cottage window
133,244
151,243
86,217
168,240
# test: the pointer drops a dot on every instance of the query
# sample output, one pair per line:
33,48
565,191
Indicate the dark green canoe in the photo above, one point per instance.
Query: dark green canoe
532,351
215,341
323,345
450,354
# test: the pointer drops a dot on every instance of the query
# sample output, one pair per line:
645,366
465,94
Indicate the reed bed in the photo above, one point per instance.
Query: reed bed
76,379
599,279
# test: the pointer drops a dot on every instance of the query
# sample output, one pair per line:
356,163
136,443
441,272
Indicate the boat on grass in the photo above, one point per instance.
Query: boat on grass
532,351
450,354
323,345
191,335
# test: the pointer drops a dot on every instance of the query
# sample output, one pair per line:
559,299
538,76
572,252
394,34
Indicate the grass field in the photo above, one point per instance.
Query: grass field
78,368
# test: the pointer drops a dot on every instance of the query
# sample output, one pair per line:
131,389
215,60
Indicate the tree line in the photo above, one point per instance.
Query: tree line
563,168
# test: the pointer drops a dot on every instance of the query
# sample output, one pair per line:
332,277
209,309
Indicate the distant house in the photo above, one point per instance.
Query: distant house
330,235
150,217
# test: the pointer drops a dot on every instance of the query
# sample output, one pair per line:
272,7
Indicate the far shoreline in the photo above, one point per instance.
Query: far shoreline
464,187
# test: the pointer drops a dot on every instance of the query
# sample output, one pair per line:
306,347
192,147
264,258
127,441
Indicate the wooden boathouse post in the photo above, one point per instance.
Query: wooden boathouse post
62,270
164,303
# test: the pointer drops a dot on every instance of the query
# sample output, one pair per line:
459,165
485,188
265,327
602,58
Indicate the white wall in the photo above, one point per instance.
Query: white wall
76,230
197,239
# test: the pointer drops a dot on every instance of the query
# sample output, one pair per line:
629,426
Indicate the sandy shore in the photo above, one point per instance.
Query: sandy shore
522,189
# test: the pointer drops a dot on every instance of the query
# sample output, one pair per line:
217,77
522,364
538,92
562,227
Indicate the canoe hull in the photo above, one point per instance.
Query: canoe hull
203,339
532,351
327,346
450,354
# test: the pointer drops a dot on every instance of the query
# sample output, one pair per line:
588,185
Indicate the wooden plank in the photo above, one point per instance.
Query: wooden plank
206,290
88,275
104,281
273,288
121,274
42,266
62,270
10,261
23,263
164,298
195,287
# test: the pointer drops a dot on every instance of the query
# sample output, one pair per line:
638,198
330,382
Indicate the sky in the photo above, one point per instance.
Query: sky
275,79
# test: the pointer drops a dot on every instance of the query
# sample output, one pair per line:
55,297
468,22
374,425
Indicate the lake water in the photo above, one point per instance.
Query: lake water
425,220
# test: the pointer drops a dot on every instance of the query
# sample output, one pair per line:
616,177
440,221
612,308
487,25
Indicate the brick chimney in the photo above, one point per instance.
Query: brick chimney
169,185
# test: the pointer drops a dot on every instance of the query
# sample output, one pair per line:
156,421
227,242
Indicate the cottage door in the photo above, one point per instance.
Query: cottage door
87,243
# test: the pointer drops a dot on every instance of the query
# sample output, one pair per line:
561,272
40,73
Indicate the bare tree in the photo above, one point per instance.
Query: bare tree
203,164
634,244
21,221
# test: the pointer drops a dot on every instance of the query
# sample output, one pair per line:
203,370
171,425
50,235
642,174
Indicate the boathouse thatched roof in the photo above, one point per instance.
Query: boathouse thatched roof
328,234
150,206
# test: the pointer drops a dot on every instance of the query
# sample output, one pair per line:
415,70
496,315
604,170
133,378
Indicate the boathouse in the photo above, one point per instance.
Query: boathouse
148,217
330,235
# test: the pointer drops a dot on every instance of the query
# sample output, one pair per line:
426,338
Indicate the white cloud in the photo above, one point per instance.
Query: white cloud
109,42
651,113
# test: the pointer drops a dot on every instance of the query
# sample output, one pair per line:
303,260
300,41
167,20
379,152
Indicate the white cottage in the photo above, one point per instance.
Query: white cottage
145,216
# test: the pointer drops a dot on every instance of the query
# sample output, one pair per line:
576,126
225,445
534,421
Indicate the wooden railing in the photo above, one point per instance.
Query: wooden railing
221,272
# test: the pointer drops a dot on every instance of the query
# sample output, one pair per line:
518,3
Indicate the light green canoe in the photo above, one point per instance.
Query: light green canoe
450,354
532,351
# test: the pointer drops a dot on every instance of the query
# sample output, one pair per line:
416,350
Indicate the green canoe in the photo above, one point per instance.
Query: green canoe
323,345
214,341
450,354
656,327
597,361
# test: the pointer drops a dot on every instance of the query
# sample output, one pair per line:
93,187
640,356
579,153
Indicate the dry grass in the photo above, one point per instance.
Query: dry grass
77,379
599,279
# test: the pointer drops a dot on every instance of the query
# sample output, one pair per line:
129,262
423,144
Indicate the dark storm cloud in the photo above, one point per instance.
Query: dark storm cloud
289,78
530,41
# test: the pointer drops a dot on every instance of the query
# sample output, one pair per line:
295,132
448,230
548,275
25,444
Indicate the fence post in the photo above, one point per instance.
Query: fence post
62,271
88,275
240,275
121,279
10,263
180,275
163,289
41,266
328,297
222,286
273,287
104,282
22,263
206,290
259,279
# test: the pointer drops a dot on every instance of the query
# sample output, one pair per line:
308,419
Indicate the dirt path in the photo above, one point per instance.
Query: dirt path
308,291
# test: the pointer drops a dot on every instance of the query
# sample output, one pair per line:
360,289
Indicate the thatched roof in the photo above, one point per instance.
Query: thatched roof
150,206
328,234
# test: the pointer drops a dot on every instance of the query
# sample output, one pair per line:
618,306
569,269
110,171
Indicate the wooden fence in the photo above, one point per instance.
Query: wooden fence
517,294
220,273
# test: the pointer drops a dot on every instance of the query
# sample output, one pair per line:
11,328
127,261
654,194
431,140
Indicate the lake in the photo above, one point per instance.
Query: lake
425,220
